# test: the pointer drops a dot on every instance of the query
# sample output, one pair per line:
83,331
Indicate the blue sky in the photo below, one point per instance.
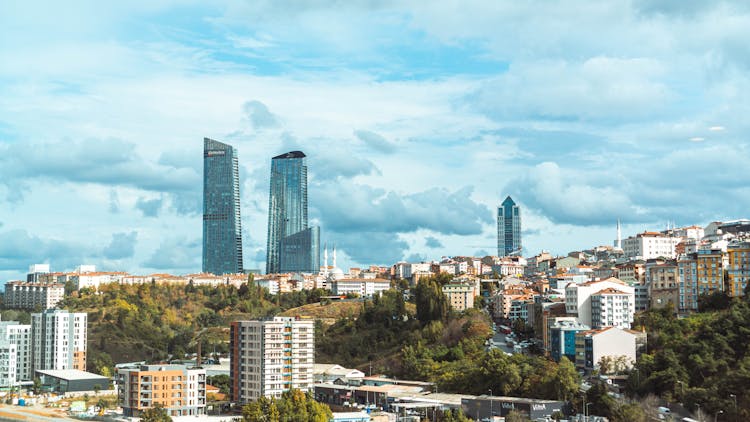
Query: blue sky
417,118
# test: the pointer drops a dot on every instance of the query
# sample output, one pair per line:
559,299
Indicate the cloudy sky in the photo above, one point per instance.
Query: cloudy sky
417,117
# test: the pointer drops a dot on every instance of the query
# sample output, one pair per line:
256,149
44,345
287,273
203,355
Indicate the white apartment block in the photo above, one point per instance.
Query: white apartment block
180,390
268,357
8,364
578,297
18,335
612,308
58,340
364,287
649,245
612,342
25,295
460,296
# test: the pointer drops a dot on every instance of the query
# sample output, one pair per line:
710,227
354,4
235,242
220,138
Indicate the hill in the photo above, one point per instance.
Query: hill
329,313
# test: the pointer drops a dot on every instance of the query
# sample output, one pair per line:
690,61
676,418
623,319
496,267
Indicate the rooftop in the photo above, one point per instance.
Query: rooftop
71,374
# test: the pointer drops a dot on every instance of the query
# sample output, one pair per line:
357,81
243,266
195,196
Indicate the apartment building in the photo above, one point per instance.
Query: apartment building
632,273
58,340
33,295
612,342
460,296
562,338
687,282
662,280
364,287
268,357
179,389
612,307
738,268
710,269
19,336
8,365
649,245
578,297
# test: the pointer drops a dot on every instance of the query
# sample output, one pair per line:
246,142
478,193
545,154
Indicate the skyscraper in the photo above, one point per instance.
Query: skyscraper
508,228
292,245
222,228
58,340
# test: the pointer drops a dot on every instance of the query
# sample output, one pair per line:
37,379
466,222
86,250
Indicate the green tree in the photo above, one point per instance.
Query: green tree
432,304
36,387
156,414
514,416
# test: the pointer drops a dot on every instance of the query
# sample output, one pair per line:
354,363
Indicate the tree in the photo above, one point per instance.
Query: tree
514,416
36,387
97,389
156,414
432,304
294,405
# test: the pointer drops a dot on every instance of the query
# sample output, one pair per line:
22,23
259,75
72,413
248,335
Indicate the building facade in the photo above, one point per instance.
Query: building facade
180,390
612,307
292,246
611,342
578,298
650,245
738,268
222,226
268,357
32,295
508,228
18,335
460,296
58,340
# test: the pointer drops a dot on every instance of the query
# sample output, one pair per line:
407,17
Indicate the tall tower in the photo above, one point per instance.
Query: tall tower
508,228
292,245
618,242
222,227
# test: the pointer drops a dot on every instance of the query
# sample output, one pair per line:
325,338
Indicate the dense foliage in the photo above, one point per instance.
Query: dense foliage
702,360
293,406
383,326
154,321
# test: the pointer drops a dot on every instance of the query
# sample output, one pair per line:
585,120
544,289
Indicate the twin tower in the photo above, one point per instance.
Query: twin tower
292,245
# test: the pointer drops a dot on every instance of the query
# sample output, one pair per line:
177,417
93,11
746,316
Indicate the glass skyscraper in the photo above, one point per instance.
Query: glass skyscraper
292,245
222,228
508,228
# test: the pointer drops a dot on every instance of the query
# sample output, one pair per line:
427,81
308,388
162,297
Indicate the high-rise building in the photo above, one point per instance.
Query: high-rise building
15,349
268,357
30,295
292,245
58,340
180,390
222,228
508,228
738,268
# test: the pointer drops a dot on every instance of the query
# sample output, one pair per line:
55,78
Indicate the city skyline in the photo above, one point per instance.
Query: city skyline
418,118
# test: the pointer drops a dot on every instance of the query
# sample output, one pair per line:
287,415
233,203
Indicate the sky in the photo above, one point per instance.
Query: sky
417,118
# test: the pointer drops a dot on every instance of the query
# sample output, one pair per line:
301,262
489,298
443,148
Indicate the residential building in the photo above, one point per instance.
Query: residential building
8,364
614,343
710,269
292,245
364,287
687,282
179,389
222,225
508,228
578,297
460,296
738,268
18,335
641,297
632,273
611,307
268,357
33,295
36,272
58,340
663,283
649,245
562,338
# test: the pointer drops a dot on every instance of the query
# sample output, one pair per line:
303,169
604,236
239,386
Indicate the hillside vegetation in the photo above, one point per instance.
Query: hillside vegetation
155,322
